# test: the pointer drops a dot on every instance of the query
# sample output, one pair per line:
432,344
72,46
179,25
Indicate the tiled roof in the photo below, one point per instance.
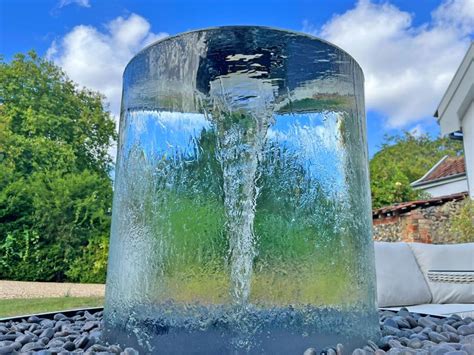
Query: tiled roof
450,166
446,167
405,207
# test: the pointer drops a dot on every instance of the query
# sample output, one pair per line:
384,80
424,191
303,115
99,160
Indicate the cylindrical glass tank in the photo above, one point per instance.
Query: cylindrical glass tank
241,216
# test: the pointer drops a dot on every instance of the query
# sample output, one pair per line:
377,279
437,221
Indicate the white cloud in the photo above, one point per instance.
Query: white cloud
96,58
82,3
417,130
407,68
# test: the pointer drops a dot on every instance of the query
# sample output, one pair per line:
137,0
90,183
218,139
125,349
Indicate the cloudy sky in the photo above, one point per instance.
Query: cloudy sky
409,50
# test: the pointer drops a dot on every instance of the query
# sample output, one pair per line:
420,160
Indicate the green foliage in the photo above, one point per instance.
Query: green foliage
402,160
55,190
91,266
463,222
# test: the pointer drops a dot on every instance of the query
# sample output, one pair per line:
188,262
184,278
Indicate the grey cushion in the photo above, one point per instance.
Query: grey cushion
446,257
399,279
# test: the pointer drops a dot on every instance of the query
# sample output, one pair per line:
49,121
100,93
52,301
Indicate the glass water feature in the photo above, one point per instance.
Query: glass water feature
241,216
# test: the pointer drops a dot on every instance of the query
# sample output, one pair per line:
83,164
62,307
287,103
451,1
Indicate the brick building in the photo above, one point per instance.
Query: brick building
423,221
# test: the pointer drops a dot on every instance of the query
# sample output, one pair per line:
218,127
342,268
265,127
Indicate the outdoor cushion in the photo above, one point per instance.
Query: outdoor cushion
399,279
444,310
447,257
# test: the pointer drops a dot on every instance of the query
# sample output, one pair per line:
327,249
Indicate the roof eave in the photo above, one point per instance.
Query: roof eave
438,181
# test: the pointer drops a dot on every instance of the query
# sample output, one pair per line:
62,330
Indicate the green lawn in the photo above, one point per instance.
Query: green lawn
23,306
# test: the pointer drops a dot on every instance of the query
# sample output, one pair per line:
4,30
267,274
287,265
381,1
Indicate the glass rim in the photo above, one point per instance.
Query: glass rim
213,28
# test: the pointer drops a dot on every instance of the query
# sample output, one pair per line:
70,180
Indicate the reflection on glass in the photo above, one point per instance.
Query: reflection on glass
241,218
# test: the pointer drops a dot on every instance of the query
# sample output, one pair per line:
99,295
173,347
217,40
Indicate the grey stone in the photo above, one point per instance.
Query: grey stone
23,339
47,323
59,316
55,343
132,351
97,347
8,337
456,346
453,337
407,351
415,343
379,352
309,351
82,341
32,347
339,349
6,349
117,350
359,352
95,334
62,334
420,336
427,344
440,350
469,348
403,340
372,345
457,324
437,338
90,342
33,327
401,322
88,316
412,321
468,339
69,346
426,322
44,352
43,340
33,319
390,322
47,333
405,333
457,352
465,330
331,351
387,330
404,312
394,343
38,331
448,328
383,342
16,345
90,325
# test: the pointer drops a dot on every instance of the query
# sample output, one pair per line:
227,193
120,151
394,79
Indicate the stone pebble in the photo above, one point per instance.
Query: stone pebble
429,335
402,333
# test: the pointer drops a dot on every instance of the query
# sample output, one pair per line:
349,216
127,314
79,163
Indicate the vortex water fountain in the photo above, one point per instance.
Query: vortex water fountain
241,215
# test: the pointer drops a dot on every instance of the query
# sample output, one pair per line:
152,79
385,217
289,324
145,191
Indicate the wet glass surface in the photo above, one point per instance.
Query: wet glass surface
241,217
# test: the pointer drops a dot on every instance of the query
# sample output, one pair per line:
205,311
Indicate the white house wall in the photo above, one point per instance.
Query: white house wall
458,96
468,133
448,188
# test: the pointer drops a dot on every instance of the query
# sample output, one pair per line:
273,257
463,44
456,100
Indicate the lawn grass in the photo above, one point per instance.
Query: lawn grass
23,306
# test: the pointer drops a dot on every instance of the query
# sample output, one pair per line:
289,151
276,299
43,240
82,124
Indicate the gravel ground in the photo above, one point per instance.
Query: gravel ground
22,289
402,333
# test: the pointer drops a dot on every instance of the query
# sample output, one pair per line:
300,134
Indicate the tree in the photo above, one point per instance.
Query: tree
55,189
402,160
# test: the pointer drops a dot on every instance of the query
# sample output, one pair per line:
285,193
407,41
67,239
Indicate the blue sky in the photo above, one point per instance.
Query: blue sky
409,50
